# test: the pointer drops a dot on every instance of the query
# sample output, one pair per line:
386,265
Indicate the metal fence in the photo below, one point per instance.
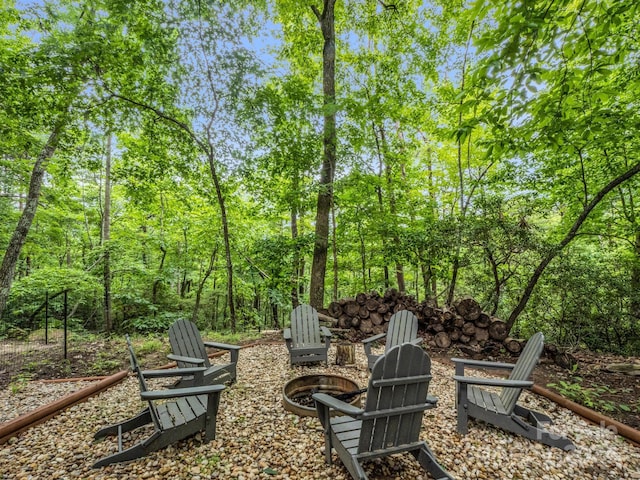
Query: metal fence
26,345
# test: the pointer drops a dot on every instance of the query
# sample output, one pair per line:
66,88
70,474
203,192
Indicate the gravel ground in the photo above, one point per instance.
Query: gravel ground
31,395
257,438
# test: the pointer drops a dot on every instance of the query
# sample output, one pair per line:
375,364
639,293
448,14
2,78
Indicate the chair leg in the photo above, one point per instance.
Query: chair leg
136,451
535,431
128,425
461,406
427,460
325,421
213,402
536,418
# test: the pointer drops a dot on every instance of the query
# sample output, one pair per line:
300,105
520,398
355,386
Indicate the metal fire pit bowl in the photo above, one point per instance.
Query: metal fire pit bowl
301,389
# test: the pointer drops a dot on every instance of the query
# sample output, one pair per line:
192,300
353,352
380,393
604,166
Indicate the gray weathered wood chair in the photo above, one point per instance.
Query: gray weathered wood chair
403,328
391,420
175,413
189,350
306,340
501,409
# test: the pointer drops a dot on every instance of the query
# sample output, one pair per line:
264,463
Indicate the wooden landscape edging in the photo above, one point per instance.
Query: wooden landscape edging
595,417
42,414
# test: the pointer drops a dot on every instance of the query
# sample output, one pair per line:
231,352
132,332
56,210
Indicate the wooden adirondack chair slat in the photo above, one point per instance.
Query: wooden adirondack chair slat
501,409
391,419
186,342
403,328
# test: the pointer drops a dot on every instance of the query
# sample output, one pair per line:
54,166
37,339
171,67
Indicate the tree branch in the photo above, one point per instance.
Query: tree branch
573,232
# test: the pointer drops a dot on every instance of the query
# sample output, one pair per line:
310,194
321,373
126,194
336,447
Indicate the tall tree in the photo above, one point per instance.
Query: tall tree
106,236
327,173
10,259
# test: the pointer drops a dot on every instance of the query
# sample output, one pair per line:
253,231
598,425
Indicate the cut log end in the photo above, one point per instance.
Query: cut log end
442,340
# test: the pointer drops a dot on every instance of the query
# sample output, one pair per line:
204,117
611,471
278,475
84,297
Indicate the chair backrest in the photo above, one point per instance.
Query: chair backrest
186,341
305,326
135,367
403,327
523,369
396,399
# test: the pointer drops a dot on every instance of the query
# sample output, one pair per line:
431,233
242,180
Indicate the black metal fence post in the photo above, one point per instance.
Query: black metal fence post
65,325
46,318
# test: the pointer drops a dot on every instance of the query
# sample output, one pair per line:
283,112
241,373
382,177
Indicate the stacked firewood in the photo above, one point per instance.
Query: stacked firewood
462,324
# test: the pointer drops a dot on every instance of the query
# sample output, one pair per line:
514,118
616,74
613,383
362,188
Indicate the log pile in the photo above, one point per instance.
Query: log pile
462,324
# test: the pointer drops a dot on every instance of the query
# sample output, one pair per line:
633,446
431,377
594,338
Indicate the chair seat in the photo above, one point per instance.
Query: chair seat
180,411
487,400
347,429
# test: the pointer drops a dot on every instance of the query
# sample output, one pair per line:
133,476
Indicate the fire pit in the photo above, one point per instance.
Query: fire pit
296,394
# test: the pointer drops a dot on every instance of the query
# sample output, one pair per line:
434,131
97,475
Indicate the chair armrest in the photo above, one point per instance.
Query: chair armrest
287,334
338,405
172,372
325,332
466,362
494,382
374,338
180,392
180,358
222,346
416,341
432,400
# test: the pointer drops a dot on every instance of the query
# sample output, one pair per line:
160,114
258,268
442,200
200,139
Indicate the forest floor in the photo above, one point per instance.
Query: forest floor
616,395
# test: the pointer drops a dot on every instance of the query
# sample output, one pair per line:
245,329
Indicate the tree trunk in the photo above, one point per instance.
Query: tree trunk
10,259
325,195
345,354
634,304
334,249
225,236
297,267
463,199
158,281
106,236
207,273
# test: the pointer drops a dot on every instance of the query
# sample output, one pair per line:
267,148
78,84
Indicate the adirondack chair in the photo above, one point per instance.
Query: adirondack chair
391,420
501,409
175,413
403,328
304,339
189,350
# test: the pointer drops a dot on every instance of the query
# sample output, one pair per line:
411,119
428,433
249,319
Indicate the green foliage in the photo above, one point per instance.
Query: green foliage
230,337
18,382
589,396
104,365
150,345
152,323
470,136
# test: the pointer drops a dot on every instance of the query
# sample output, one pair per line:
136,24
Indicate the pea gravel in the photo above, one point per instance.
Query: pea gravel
258,439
